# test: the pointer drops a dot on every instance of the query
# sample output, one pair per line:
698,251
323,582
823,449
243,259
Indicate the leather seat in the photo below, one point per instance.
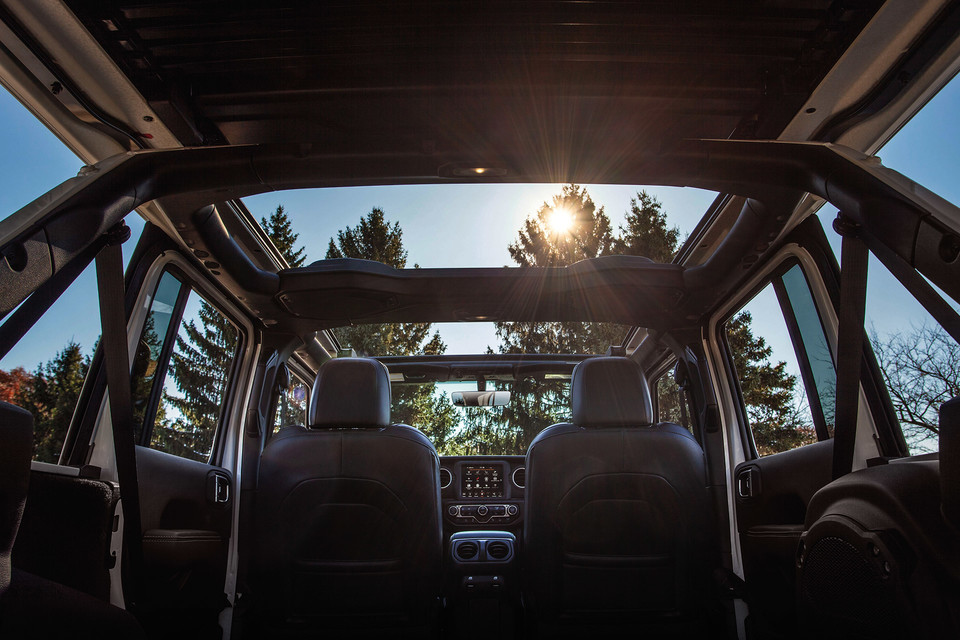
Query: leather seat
348,532
618,519
31,606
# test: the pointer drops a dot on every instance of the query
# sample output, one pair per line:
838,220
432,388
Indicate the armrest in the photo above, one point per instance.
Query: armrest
181,548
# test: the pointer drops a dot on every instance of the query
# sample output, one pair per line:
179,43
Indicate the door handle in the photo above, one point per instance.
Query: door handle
218,488
748,483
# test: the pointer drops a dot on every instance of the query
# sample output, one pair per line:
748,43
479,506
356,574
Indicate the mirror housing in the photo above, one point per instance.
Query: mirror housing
479,398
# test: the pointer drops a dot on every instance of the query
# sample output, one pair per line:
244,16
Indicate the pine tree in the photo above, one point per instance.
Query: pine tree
542,243
646,233
51,396
768,389
201,363
769,392
280,230
374,238
584,232
199,366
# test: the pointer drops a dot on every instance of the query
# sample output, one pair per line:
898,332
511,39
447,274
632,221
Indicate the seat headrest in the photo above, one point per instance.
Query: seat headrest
350,392
16,449
610,392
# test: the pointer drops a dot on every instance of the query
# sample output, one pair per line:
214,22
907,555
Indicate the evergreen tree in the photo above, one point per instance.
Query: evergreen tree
769,392
200,365
565,231
542,242
51,396
374,238
292,409
201,362
646,233
279,229
534,405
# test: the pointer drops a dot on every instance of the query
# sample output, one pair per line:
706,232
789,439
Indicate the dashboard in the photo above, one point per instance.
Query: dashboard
484,492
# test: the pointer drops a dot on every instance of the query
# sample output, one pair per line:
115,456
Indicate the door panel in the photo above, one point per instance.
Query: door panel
183,494
186,513
772,496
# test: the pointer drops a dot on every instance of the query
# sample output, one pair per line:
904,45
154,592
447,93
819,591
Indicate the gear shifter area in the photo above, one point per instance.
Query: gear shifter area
482,582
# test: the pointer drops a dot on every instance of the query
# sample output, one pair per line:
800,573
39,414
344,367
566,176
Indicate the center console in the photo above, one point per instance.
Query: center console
483,521
481,493
482,584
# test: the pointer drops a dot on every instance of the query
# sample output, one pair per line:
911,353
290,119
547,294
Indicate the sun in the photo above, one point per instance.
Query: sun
560,221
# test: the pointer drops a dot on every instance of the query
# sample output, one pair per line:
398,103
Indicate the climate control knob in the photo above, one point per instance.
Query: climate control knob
482,510
511,509
453,510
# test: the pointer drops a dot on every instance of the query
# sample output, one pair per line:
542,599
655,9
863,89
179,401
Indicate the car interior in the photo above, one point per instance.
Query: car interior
645,503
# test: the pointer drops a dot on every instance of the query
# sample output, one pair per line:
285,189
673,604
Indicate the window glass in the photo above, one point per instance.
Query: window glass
816,356
181,371
149,363
534,405
919,361
673,403
774,396
45,371
292,405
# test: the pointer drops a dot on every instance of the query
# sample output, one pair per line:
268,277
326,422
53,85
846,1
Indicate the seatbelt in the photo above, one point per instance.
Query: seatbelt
113,320
854,258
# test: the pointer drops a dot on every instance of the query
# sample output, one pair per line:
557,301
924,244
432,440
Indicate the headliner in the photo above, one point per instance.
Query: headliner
525,87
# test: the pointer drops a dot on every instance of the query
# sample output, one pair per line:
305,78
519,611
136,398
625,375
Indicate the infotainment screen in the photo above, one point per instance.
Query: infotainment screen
484,481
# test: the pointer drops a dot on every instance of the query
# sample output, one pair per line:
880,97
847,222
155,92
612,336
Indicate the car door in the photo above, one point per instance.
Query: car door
190,351
778,344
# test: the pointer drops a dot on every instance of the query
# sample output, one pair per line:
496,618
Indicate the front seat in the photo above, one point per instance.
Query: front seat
618,521
347,519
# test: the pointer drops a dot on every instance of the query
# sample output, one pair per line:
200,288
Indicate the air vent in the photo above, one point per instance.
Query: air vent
498,550
466,550
520,477
445,478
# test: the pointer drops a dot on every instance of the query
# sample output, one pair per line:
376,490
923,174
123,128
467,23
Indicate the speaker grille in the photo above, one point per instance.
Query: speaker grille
840,584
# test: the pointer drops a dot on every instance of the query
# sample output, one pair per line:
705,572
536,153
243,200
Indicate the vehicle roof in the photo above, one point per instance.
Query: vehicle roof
500,82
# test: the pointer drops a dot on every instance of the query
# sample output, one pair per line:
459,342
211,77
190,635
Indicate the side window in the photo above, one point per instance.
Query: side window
292,404
919,361
45,372
673,403
182,366
784,365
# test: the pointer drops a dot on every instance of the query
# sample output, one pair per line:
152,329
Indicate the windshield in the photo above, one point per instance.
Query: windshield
460,338
508,430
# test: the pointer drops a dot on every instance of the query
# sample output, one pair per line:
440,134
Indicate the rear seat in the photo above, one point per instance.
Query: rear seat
31,606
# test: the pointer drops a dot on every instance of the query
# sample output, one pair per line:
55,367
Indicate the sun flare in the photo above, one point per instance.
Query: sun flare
560,221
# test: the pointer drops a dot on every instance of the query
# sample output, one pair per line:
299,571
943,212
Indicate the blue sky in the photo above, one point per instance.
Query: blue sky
446,225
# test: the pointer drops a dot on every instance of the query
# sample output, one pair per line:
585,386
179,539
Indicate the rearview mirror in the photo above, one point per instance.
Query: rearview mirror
479,398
